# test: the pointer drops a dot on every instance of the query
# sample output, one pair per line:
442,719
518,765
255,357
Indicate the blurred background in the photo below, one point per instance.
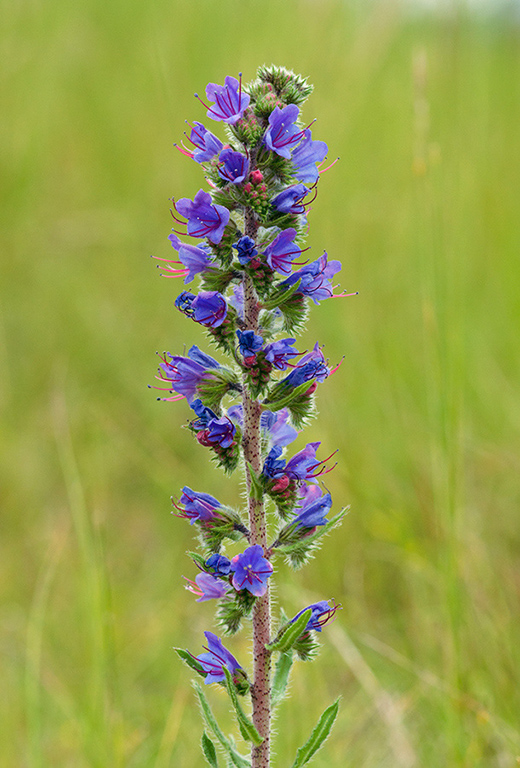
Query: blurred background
421,101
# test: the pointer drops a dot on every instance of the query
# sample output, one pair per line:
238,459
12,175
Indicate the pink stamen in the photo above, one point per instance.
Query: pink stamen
183,150
322,170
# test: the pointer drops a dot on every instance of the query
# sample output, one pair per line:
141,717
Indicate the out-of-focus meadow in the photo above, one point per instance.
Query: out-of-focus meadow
422,209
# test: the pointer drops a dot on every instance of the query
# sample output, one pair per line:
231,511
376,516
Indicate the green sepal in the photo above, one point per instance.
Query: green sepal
247,729
281,677
198,560
218,279
211,389
298,549
238,760
227,524
256,490
208,748
317,737
290,87
289,634
190,661
231,611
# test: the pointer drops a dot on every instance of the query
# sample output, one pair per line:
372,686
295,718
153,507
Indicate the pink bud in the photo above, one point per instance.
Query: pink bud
257,176
313,387
280,484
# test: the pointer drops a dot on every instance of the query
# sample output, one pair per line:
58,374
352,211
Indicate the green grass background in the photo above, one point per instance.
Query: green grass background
422,209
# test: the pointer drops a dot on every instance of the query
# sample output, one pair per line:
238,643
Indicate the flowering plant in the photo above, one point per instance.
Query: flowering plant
255,287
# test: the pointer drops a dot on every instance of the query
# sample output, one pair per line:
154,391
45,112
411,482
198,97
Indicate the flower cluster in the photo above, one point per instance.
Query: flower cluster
242,240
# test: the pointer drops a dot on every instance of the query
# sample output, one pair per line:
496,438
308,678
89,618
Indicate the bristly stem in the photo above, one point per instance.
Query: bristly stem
251,441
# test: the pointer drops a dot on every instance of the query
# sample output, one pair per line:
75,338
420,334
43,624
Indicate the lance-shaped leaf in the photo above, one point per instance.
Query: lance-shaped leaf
281,678
247,729
317,737
282,396
238,760
299,552
190,661
210,753
280,296
290,633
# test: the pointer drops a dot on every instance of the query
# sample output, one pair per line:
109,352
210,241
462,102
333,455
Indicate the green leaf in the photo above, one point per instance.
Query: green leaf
238,760
197,559
291,633
210,753
279,297
256,491
247,729
190,661
281,678
283,399
317,737
299,552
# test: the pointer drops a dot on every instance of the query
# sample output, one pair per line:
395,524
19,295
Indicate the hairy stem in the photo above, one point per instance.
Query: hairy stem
261,689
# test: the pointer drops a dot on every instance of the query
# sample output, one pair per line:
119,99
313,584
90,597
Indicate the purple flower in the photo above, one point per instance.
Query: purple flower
216,658
197,507
315,278
195,258
184,301
302,465
282,134
246,249
249,343
209,308
236,300
218,432
218,564
276,427
204,414
274,466
279,353
233,166
322,612
312,366
204,218
289,200
184,374
230,102
309,494
252,571
313,514
305,157
207,144
281,252
206,587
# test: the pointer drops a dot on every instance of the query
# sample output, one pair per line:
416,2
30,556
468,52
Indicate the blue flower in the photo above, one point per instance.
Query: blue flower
196,259
204,218
315,279
197,507
282,134
230,102
218,564
302,465
279,353
274,466
233,166
322,612
207,144
184,374
289,200
204,414
184,301
249,343
216,658
281,252
206,587
314,514
209,308
305,157
252,571
218,433
246,249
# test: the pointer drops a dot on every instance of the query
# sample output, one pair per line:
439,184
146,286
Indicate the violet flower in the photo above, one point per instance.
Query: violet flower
281,252
209,308
276,428
205,219
314,514
218,565
195,258
315,279
246,249
207,587
289,200
252,571
305,157
322,612
184,374
274,466
282,134
233,166
207,144
197,507
217,433
230,102
249,343
279,353
216,658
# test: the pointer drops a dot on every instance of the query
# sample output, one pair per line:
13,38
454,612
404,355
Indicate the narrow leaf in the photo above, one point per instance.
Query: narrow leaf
280,296
291,633
281,678
317,737
210,753
190,661
287,398
247,729
237,759
257,489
